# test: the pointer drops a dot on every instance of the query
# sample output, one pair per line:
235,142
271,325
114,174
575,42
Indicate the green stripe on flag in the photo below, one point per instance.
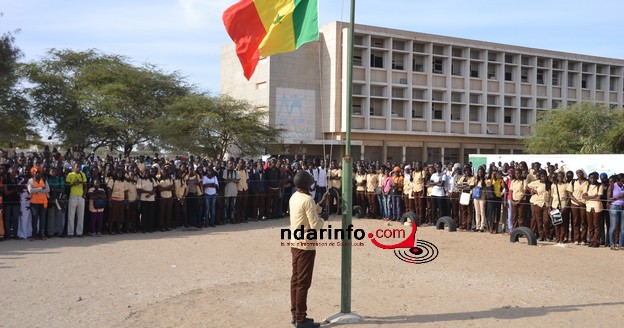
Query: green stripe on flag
305,21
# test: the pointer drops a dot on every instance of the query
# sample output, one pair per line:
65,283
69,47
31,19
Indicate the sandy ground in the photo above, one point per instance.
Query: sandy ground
238,276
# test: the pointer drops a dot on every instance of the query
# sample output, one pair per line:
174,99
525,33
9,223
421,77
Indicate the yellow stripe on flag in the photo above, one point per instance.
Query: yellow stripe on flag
277,18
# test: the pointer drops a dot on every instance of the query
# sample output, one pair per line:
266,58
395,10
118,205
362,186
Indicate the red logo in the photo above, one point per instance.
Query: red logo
409,250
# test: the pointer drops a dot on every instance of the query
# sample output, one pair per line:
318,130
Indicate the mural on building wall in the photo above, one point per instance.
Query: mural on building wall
296,113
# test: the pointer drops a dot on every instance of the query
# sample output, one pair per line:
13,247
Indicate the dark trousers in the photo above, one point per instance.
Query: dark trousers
561,230
11,217
165,209
194,209
180,212
38,220
517,214
438,208
300,282
259,205
148,214
241,205
579,223
130,223
96,221
593,223
541,221
373,209
360,199
494,212
454,199
419,205
272,202
466,216
408,203
116,215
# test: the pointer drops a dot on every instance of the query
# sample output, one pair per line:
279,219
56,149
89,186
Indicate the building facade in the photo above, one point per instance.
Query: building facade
417,96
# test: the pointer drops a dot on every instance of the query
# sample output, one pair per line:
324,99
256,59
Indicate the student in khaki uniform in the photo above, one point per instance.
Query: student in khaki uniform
117,200
540,220
518,207
560,200
372,182
593,206
576,188
360,187
419,176
304,212
464,185
242,199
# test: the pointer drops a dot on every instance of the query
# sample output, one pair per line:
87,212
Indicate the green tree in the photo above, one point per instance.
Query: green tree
91,99
15,118
213,126
579,129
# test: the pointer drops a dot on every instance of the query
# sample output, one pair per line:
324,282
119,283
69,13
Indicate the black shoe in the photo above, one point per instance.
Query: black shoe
308,323
294,322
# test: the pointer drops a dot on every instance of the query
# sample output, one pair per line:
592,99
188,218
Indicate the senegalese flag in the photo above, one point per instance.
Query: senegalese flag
261,28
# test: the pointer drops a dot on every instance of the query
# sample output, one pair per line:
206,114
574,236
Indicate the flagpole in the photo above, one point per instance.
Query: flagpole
345,315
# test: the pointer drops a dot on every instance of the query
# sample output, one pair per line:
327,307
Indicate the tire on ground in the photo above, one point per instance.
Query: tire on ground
523,232
358,211
411,216
334,194
446,221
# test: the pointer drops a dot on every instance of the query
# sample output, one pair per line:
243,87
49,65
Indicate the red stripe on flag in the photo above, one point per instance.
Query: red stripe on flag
246,30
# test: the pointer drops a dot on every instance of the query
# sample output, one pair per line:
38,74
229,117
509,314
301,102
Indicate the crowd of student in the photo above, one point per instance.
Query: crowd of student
49,194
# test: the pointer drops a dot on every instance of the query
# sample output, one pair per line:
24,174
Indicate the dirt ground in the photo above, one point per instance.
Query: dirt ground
238,276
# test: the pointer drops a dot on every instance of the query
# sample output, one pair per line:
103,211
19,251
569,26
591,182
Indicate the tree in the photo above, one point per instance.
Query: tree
15,117
94,99
579,129
128,101
214,126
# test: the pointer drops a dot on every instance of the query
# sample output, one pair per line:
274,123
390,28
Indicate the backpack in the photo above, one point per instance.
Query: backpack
476,193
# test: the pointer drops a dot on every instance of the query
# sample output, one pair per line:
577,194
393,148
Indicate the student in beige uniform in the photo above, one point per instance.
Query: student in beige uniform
372,182
303,212
517,190
419,176
560,200
576,189
540,191
117,196
593,206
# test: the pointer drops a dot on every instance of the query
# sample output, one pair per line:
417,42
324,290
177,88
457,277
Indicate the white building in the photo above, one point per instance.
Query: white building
417,96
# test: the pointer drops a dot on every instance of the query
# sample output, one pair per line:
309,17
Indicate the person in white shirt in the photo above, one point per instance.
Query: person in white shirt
437,184
210,185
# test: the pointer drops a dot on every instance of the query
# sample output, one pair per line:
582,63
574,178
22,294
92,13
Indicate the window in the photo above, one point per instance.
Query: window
540,76
524,102
377,42
357,106
475,98
492,70
438,95
584,81
475,54
509,101
613,83
458,52
492,56
572,80
540,103
456,67
437,111
556,64
556,79
475,114
398,109
419,47
509,58
357,89
377,60
398,45
456,96
418,110
357,60
377,91
556,104
474,69
358,40
524,75
438,50
419,64
600,82
508,119
398,62
524,116
492,100
491,115
438,66
376,107
508,73
456,113
398,93
525,60
418,94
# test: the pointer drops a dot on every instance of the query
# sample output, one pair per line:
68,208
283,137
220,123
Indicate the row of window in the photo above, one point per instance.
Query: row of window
438,112
493,72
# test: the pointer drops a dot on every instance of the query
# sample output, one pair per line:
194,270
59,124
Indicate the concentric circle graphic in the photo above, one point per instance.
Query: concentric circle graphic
422,252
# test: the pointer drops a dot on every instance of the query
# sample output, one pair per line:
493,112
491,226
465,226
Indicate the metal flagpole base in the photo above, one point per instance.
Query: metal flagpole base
344,318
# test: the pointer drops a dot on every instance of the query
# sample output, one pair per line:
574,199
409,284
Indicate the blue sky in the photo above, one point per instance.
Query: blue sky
186,35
